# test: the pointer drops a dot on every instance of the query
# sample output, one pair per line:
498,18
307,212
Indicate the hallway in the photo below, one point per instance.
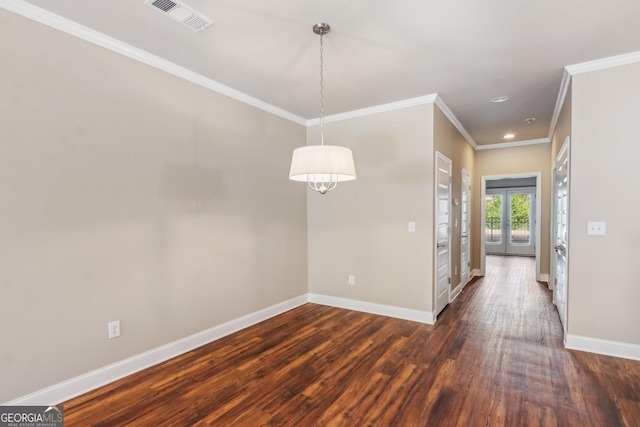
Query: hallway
494,358
529,371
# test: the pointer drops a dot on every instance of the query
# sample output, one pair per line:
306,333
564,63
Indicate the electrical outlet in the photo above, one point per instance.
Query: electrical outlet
596,228
114,329
351,280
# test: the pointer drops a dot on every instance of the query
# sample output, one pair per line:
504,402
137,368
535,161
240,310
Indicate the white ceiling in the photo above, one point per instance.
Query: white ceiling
467,51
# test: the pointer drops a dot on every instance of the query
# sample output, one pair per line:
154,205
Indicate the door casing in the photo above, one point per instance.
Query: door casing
538,217
560,247
442,237
465,228
506,247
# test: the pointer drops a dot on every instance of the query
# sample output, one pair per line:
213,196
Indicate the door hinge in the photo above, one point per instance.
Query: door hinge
449,280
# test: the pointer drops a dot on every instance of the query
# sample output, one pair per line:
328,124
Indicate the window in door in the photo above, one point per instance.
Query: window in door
510,221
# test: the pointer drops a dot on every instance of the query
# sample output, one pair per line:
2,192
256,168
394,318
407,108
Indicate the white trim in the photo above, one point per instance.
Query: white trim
476,272
513,144
604,63
465,174
585,67
566,147
538,202
599,346
91,380
421,100
454,121
538,206
374,308
456,291
543,278
436,172
562,95
92,36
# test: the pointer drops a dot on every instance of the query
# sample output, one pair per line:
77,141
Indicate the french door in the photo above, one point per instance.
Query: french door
510,221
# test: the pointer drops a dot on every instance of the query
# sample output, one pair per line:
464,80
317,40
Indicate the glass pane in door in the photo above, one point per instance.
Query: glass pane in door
493,226
520,232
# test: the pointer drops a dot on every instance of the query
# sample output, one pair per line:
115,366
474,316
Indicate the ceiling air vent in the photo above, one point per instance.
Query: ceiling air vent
181,13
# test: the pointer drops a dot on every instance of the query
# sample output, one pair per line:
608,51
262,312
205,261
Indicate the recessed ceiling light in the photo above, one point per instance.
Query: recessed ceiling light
499,99
509,135
530,120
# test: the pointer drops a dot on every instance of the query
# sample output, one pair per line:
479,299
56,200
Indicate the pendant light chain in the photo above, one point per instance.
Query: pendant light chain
321,89
322,166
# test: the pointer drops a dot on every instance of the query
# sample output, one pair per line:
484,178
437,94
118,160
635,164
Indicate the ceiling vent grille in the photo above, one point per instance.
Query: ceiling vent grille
181,13
164,5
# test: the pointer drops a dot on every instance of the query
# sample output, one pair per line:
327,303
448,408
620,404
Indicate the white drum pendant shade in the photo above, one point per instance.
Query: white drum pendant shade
322,166
322,163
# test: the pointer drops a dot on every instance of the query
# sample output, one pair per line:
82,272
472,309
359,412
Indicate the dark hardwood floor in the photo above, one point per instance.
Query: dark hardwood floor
495,357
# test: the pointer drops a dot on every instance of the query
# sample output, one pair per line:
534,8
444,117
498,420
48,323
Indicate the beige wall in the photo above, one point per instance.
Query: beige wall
361,227
450,142
562,130
127,193
515,160
603,286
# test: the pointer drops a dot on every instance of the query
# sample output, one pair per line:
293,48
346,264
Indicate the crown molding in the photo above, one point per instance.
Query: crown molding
454,120
562,94
604,63
421,100
514,144
77,30
586,67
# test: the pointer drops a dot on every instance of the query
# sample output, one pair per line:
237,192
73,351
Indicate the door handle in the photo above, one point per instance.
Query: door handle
440,245
559,248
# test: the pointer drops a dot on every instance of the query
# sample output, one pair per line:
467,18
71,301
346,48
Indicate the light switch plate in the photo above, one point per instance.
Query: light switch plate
412,227
596,228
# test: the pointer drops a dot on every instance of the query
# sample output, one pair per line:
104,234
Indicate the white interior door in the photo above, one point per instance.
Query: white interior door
465,228
443,228
561,232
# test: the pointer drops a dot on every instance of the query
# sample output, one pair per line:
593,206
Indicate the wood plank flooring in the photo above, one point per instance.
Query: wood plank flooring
495,357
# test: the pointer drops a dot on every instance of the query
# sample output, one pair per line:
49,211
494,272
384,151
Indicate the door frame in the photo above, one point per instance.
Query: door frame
505,228
538,216
465,174
447,160
552,232
566,147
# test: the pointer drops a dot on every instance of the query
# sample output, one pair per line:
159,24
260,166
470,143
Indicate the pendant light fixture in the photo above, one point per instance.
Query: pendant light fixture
322,166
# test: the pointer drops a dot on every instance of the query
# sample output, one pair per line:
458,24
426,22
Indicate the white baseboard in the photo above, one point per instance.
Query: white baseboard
66,390
608,348
374,308
84,383
456,291
476,273
543,278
